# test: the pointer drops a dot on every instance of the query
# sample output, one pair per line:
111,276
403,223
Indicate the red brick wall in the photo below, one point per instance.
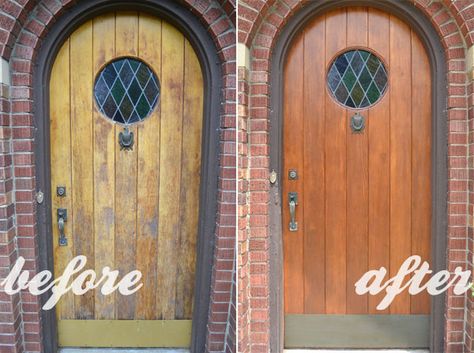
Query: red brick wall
259,24
243,212
10,307
23,24
469,324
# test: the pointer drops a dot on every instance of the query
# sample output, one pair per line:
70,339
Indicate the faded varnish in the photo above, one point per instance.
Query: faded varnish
133,209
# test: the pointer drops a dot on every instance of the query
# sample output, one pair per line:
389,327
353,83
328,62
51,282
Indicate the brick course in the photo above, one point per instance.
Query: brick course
259,25
23,24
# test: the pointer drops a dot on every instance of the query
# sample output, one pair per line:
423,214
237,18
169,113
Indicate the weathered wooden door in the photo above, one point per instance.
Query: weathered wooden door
130,206
357,165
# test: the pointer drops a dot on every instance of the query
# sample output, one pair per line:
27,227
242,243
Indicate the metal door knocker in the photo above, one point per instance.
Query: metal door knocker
357,123
126,139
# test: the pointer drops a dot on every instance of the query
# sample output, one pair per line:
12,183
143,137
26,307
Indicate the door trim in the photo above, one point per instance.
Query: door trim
206,51
435,50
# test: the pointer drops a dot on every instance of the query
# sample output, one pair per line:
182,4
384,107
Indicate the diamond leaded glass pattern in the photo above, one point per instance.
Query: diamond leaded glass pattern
126,90
357,79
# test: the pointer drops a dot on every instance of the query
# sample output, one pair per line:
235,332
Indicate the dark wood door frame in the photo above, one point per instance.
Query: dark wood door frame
206,51
428,35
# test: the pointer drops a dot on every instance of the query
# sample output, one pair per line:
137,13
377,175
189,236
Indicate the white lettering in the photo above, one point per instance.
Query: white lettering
410,275
84,282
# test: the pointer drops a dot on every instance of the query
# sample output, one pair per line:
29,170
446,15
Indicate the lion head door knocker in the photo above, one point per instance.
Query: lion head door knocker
126,139
357,123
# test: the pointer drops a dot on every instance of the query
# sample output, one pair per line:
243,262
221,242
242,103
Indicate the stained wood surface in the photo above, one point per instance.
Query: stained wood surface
104,168
126,44
293,266
170,178
148,177
314,157
421,159
335,175
364,200
128,209
379,160
61,153
82,187
189,195
358,174
400,153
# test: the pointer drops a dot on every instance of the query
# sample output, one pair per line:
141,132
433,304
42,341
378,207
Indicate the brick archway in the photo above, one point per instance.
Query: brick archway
253,15
17,17
23,26
260,24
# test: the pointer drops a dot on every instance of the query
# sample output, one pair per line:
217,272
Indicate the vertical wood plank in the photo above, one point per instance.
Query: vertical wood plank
172,75
113,197
104,168
379,159
82,156
60,137
357,180
190,182
148,176
314,142
126,35
376,185
293,159
421,163
336,169
400,154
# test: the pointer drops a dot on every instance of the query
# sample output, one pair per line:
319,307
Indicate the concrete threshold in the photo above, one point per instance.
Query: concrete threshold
356,351
122,350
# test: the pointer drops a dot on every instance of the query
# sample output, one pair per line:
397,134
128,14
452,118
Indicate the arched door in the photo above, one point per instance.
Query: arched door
356,178
126,113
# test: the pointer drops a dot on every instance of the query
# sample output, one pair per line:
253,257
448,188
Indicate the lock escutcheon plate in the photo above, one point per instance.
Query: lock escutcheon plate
62,213
61,191
62,218
292,174
292,202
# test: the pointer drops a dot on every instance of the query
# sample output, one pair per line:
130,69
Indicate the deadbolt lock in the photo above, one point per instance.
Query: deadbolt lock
61,191
292,174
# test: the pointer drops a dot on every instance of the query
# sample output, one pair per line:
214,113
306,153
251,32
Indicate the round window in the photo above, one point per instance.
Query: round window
126,90
357,79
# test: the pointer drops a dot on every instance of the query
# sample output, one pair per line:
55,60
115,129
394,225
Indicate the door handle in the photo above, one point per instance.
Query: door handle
292,202
62,218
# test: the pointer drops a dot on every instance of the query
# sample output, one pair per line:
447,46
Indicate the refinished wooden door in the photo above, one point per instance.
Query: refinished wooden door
128,207
363,195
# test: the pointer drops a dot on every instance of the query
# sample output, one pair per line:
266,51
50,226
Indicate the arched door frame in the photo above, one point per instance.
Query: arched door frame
206,51
428,35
